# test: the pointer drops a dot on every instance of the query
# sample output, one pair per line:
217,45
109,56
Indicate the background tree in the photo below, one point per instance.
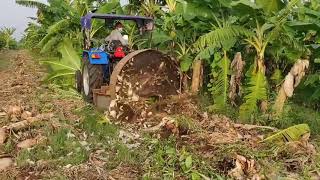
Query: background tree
6,37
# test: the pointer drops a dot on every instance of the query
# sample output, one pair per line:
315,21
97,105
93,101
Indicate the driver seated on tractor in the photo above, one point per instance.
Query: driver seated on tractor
116,36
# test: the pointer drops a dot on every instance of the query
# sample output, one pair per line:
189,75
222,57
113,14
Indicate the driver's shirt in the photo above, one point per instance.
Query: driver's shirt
116,35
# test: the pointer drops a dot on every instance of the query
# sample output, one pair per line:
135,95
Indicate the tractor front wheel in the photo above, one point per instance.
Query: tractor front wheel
92,78
78,81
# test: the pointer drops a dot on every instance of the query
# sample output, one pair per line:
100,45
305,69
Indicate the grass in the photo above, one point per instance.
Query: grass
95,122
168,161
153,159
297,114
4,61
59,149
163,158
9,146
68,146
160,158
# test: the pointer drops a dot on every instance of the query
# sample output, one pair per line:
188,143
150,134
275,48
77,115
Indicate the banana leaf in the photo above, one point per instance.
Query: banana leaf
67,65
293,133
59,73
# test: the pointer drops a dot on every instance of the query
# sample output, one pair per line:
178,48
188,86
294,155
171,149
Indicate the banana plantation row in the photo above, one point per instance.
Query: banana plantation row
259,59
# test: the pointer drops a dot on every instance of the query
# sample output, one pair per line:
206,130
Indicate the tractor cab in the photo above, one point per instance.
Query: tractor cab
100,59
113,50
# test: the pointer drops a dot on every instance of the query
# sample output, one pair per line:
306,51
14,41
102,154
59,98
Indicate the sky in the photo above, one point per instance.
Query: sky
14,15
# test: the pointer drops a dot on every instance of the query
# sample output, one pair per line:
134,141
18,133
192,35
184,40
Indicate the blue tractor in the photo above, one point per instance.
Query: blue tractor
111,71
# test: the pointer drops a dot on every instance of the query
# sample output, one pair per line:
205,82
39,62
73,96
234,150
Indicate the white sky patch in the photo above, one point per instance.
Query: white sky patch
14,15
124,2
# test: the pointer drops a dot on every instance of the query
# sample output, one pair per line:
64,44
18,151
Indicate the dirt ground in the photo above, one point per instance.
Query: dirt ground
30,109
25,100
18,78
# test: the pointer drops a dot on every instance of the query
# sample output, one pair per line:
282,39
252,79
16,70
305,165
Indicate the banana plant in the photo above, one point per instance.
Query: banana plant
219,86
184,55
67,65
263,36
6,33
172,4
32,3
150,8
222,37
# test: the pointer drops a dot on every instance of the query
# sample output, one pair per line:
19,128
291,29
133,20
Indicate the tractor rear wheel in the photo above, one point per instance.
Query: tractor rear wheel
92,78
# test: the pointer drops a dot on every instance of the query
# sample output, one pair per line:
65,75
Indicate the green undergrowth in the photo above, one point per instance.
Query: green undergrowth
4,61
293,114
159,157
297,114
169,161
73,141
61,149
106,135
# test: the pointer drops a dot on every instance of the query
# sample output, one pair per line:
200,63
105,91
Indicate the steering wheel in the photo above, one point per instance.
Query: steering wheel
102,47
107,46
110,46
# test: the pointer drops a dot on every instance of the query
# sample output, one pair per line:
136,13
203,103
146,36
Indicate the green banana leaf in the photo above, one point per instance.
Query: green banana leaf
69,55
270,6
67,65
293,133
59,73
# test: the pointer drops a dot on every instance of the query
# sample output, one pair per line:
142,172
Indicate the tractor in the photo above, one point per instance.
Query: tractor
111,72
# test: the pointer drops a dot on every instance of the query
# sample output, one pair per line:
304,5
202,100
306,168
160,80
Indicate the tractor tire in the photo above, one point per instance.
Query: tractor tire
78,81
92,78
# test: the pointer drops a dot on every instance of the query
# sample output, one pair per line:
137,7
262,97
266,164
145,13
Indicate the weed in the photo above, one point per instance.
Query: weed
64,92
204,99
296,114
9,146
59,148
228,111
93,123
69,151
107,135
23,157
186,123
121,154
58,140
152,100
168,162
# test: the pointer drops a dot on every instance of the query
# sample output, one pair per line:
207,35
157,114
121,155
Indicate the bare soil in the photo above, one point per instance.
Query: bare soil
21,86
19,79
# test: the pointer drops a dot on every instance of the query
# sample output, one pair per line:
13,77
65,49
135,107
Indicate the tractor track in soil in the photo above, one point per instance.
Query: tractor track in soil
21,84
21,87
18,79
